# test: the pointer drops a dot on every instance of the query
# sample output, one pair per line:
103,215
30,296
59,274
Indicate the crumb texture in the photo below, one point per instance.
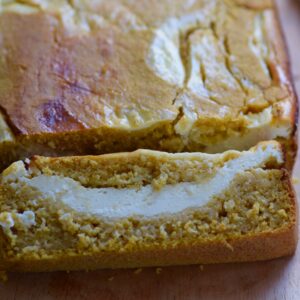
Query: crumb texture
38,225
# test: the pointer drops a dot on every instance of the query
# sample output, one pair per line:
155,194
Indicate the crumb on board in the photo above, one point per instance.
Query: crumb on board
228,245
296,180
138,271
3,276
111,278
158,270
201,267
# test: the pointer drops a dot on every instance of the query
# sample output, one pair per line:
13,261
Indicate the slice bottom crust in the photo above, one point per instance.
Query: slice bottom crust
146,208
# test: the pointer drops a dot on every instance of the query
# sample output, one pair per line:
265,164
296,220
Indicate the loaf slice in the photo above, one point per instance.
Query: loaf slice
146,208
94,77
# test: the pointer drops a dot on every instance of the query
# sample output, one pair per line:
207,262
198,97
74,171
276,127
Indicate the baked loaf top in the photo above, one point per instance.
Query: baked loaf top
76,65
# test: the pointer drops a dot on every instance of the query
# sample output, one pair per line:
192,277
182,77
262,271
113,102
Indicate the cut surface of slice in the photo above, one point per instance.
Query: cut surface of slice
146,208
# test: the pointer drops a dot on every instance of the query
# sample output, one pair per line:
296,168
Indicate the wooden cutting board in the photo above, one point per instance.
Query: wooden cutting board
278,279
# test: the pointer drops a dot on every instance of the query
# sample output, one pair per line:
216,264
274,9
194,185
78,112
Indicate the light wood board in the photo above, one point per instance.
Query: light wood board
278,279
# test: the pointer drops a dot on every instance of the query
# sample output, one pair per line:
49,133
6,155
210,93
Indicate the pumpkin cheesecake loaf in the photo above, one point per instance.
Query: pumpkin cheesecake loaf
91,77
146,208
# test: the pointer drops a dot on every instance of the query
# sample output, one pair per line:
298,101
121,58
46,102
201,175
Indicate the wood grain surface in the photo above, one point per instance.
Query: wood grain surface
278,279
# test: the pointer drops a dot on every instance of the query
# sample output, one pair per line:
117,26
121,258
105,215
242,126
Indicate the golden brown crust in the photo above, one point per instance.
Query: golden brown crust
141,156
88,105
65,88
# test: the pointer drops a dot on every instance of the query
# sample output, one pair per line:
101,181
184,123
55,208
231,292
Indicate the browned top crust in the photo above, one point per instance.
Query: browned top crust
76,65
55,82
